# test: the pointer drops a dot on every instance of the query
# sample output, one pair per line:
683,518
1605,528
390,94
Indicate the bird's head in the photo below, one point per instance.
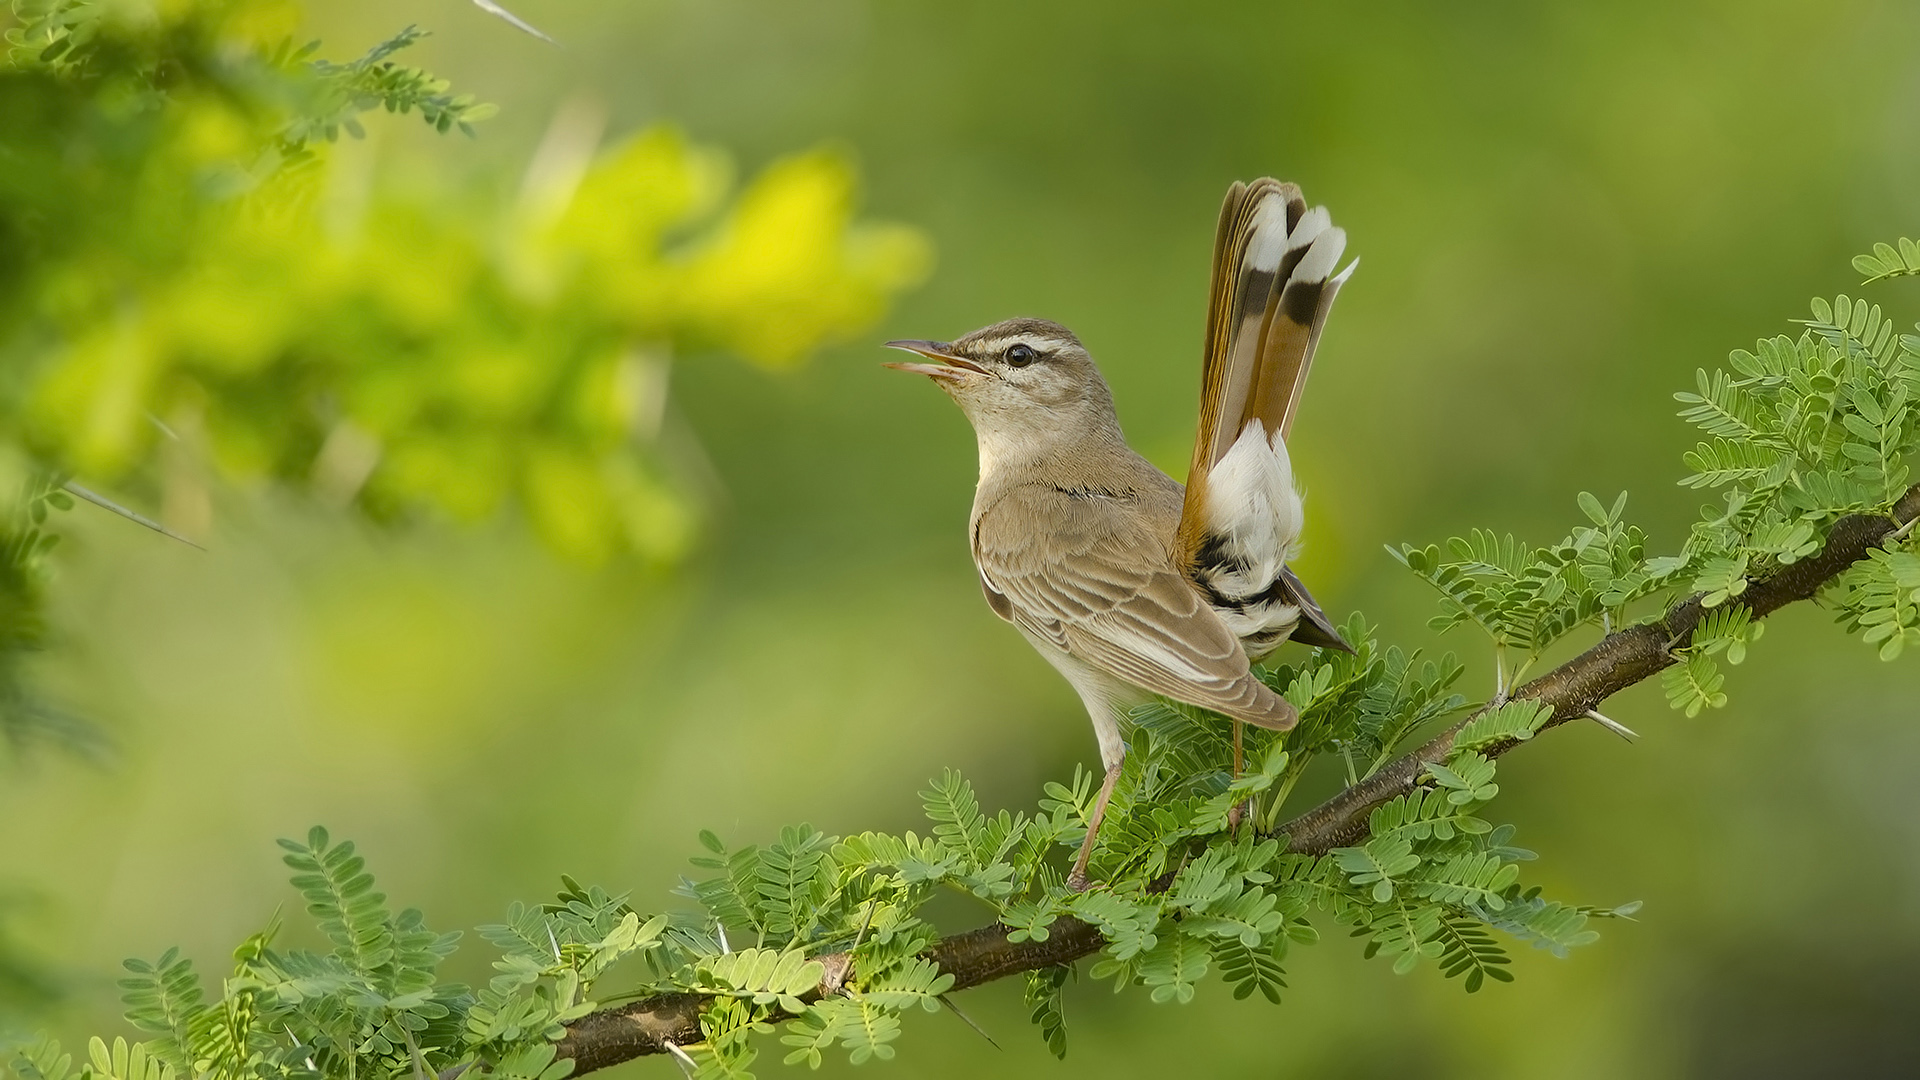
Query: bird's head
1021,382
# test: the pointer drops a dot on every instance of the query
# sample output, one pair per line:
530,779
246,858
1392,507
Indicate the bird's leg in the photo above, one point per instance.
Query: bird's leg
1234,815
1077,879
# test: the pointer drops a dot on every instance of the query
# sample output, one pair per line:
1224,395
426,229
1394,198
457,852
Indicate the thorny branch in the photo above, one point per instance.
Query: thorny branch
1620,660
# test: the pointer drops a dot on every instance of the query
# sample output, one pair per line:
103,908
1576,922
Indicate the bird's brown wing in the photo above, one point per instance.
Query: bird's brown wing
1098,584
1273,285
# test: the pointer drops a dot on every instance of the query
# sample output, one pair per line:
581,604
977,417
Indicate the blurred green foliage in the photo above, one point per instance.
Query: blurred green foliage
184,256
25,542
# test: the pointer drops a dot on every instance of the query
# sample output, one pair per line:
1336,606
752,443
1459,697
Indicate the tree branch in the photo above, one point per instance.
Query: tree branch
1621,659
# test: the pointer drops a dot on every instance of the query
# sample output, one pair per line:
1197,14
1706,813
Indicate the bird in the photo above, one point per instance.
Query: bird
1129,583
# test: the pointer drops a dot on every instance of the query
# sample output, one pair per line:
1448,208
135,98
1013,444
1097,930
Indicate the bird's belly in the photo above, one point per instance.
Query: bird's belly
1105,696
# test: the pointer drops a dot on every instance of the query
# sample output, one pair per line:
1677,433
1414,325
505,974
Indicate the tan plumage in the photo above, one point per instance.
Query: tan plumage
1126,582
1093,576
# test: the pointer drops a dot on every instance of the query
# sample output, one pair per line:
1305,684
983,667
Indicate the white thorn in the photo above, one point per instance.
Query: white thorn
105,503
511,19
164,429
968,1020
296,1039
554,940
1612,725
720,931
687,1064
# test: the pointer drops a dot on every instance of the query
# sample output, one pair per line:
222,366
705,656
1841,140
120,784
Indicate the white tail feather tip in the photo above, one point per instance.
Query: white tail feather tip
1312,224
1320,258
1269,240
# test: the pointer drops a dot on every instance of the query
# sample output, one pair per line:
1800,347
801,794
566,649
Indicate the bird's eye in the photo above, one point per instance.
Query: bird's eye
1021,354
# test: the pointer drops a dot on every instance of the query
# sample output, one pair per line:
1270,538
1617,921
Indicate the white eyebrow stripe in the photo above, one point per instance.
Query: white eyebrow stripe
1037,342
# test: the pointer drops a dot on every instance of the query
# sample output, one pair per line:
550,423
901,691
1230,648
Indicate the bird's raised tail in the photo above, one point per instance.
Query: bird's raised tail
1273,285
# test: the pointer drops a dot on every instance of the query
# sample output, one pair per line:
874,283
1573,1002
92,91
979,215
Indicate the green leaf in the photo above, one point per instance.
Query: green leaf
1728,630
766,976
1514,721
1549,925
1726,461
1424,813
1405,932
41,1059
792,881
955,812
340,894
1173,968
1721,407
1694,684
1248,916
1469,950
1721,579
1377,864
859,1026
1129,926
1046,996
165,998
1251,969
1472,878
915,981
1027,921
1467,778
1879,598
125,1062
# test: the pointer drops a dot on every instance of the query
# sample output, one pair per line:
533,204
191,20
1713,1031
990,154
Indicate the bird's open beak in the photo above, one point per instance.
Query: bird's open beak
950,367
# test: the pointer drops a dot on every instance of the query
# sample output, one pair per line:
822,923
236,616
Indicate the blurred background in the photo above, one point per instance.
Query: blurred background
1561,212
